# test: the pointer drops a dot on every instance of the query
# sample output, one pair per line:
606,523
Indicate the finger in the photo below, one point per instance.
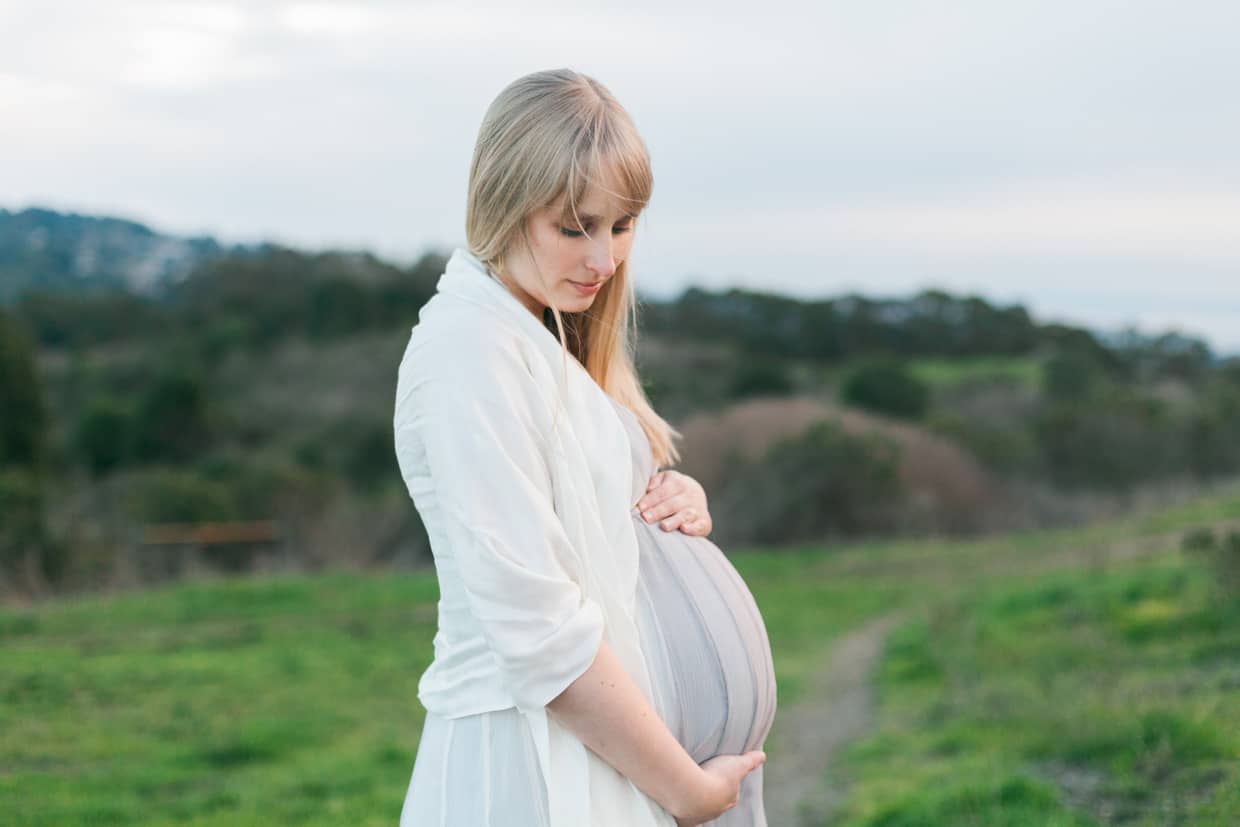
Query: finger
698,527
659,491
664,508
656,480
651,499
656,491
659,507
673,522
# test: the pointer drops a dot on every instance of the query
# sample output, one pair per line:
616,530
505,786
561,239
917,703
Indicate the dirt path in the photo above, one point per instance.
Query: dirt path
836,708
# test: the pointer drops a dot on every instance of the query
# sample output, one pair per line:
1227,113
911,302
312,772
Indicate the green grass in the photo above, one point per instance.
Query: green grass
288,700
948,372
1027,663
1079,697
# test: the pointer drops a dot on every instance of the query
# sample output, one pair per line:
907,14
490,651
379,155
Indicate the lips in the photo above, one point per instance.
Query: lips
587,289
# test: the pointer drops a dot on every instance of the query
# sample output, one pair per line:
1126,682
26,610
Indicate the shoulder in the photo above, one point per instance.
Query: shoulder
465,341
466,363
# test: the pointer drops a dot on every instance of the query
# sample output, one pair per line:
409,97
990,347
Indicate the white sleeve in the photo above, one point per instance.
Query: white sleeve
483,424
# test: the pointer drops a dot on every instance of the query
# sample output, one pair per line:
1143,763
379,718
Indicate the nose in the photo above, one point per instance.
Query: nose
602,260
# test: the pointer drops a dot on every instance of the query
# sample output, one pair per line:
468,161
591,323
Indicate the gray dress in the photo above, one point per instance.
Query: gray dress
705,643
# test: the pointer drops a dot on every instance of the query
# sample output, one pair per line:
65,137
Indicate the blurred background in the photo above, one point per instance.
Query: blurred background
946,303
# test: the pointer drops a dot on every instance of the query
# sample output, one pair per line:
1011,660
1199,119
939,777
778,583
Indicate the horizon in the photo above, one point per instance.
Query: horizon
1106,334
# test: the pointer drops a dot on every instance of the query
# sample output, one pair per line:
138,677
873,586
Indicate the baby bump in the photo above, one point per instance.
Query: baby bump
710,664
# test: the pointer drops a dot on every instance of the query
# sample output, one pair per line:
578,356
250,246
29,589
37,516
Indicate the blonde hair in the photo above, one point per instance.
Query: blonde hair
551,134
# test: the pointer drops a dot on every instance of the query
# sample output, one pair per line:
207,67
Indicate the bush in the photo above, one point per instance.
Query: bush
821,483
1222,555
887,387
760,377
1071,375
259,488
23,413
1113,442
168,495
356,448
171,420
103,436
1005,447
1213,437
23,529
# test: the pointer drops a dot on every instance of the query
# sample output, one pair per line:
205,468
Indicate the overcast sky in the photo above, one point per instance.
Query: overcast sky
1080,157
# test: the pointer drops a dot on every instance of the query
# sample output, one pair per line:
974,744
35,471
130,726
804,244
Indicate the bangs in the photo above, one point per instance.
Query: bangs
616,163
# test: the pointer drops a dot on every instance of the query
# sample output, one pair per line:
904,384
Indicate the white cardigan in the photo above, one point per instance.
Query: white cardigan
521,471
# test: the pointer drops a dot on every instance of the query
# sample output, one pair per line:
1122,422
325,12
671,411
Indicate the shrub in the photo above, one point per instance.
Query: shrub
23,529
168,495
1223,557
886,387
357,448
821,483
23,412
760,377
1070,375
1115,441
103,435
171,421
1212,436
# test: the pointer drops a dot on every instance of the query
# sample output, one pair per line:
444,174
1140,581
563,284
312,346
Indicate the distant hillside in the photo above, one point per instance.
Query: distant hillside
42,248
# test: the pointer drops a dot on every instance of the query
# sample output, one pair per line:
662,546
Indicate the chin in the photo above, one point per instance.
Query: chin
574,303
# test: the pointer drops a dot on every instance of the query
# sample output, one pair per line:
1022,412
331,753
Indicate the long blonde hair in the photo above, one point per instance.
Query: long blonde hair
546,135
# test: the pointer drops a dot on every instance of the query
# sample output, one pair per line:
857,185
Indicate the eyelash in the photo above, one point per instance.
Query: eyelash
577,233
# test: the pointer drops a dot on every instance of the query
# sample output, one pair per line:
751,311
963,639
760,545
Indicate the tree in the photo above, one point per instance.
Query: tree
23,415
103,436
171,421
887,387
23,425
1070,375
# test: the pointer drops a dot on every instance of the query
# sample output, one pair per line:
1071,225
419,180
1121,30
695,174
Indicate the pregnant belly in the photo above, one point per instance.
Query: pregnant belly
711,672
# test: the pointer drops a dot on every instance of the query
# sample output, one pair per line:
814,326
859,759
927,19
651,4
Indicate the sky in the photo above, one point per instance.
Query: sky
1077,157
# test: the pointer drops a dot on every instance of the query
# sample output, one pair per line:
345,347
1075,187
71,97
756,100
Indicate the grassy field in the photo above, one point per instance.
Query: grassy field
1075,677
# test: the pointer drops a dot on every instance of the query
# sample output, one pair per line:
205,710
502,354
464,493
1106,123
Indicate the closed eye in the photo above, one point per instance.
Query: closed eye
578,233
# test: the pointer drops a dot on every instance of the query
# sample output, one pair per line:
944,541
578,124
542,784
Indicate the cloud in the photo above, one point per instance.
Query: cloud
1060,218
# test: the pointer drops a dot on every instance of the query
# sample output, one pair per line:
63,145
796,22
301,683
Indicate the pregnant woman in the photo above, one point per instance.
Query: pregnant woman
590,668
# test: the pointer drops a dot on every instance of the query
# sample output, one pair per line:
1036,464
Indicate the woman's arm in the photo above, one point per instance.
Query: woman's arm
610,715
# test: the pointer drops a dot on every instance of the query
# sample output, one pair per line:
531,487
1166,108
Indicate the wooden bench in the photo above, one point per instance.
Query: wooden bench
168,549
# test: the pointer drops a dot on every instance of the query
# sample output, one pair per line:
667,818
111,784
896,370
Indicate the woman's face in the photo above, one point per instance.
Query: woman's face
574,266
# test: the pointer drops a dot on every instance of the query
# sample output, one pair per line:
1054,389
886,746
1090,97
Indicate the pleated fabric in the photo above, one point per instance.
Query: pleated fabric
712,682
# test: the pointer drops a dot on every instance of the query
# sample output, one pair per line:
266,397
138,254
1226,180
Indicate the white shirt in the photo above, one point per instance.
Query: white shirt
522,474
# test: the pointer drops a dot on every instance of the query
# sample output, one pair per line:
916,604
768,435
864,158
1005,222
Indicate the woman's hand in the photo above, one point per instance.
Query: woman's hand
721,787
678,500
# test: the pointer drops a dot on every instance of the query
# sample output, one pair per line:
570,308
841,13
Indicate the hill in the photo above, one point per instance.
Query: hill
49,250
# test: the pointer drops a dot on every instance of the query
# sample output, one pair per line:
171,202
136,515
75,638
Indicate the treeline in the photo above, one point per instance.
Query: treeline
932,323
161,407
246,301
